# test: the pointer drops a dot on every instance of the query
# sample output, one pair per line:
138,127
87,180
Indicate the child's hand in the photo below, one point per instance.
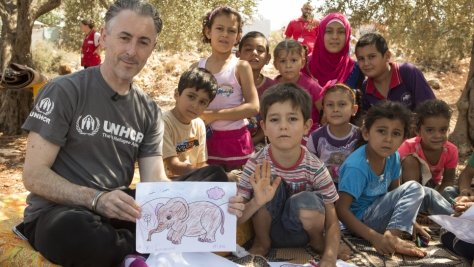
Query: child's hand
264,189
418,230
390,244
385,244
462,206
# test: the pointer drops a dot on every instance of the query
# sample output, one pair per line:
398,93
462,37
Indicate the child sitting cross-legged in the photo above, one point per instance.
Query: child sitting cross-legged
372,204
288,191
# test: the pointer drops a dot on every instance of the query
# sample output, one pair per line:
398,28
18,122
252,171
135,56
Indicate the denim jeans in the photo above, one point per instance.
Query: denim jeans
434,203
398,208
286,229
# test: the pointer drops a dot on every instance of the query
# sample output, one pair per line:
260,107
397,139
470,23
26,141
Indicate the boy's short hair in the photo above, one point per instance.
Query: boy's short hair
388,110
200,79
432,108
286,92
254,34
373,38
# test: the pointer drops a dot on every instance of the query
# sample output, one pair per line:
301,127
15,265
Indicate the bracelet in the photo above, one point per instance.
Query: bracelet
96,199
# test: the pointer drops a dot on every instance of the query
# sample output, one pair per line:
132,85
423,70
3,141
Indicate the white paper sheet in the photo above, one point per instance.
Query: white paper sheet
462,227
185,217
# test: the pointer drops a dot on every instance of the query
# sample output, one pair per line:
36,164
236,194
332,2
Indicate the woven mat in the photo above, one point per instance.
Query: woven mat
364,255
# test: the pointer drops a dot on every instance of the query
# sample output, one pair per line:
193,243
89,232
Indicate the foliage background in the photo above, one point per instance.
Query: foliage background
436,33
181,20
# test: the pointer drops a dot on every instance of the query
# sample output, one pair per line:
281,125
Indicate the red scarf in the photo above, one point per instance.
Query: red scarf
326,66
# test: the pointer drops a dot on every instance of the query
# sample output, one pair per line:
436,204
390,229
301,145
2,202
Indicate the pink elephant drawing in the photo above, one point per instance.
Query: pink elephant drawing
200,218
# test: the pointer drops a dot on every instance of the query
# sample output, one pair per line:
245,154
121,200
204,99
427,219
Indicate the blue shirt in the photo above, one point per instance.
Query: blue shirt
357,178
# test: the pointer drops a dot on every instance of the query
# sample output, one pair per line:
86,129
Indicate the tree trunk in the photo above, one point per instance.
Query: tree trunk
463,134
18,20
15,105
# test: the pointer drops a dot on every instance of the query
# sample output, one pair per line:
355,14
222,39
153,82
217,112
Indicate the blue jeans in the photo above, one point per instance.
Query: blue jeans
398,208
434,203
286,229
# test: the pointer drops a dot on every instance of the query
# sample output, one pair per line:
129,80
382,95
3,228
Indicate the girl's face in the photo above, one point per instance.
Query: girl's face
224,33
384,136
372,63
434,133
285,126
289,64
334,37
254,50
338,107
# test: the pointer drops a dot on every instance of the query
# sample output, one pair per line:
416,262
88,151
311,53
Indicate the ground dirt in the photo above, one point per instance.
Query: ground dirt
160,78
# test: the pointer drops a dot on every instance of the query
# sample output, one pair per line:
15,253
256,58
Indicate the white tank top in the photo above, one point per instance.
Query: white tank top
228,95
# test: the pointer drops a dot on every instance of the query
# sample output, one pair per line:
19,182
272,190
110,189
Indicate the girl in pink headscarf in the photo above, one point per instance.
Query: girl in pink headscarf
330,59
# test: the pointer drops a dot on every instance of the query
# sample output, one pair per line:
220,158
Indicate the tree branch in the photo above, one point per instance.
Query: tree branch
39,9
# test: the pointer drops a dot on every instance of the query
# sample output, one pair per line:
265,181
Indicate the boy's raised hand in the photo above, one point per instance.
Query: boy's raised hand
264,189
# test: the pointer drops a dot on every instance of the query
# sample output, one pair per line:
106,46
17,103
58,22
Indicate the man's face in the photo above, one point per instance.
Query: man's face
307,11
128,40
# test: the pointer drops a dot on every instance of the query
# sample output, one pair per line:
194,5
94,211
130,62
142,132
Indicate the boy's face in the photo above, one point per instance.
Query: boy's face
372,63
190,104
255,52
284,126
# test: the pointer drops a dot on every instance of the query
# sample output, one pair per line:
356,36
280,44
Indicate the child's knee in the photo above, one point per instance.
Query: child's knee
307,201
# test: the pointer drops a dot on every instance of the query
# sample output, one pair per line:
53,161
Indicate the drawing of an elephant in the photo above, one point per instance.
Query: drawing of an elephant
200,218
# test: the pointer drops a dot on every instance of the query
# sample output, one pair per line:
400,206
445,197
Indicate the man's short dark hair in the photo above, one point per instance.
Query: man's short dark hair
373,38
200,79
282,92
432,108
253,35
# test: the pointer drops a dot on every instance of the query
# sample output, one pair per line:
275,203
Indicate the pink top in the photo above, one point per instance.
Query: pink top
447,160
229,95
326,66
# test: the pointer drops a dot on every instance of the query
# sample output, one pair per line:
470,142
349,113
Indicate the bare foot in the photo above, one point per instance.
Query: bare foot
260,247
345,252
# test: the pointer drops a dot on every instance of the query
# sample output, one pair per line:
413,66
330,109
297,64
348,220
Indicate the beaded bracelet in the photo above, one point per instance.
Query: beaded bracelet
96,200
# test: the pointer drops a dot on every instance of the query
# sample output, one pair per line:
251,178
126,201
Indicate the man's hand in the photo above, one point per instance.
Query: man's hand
263,188
118,205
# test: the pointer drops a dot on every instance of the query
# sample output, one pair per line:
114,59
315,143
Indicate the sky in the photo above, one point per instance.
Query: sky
280,12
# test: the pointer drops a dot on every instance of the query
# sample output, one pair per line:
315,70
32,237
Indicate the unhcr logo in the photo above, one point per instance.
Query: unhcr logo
87,125
45,106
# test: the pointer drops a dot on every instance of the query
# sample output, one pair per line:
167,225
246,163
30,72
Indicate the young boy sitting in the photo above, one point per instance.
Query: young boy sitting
184,140
288,191
402,83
